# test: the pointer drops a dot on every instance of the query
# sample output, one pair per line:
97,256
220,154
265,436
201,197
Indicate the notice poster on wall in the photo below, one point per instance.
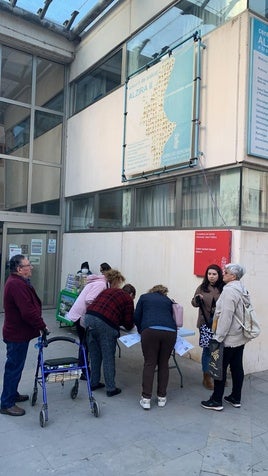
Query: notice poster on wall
36,246
211,247
159,114
258,93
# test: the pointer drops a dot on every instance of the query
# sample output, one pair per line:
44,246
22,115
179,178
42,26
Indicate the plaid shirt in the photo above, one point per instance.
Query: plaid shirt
115,307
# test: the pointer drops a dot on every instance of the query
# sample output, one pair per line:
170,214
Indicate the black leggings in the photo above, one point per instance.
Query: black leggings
232,356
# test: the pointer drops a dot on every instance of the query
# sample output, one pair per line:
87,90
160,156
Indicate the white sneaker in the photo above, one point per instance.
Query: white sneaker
145,403
162,401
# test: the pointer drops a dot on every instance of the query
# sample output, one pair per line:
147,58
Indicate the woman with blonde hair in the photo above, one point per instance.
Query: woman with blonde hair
154,320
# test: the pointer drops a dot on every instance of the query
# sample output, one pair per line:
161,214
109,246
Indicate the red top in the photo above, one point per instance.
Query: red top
22,306
115,307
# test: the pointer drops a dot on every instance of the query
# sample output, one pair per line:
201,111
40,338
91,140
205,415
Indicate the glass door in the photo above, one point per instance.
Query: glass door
40,246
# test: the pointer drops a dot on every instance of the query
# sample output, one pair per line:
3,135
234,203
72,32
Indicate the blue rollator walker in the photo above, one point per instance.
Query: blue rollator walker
59,370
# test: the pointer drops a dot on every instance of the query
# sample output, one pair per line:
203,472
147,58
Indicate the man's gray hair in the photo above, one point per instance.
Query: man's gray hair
236,270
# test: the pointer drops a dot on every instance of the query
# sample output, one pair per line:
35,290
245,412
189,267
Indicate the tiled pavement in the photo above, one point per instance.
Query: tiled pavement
180,439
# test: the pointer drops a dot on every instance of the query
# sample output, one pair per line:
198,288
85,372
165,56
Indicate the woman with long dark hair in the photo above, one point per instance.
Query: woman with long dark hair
205,298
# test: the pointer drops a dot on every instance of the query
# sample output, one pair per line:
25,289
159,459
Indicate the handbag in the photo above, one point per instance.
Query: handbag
177,311
205,336
216,359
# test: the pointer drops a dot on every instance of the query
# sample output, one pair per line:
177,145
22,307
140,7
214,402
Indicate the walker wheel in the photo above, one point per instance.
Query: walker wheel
95,409
34,397
42,418
74,390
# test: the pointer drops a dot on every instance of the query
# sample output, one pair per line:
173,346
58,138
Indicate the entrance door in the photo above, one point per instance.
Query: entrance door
40,246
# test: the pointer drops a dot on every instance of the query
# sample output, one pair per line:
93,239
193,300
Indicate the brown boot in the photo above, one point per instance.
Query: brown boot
208,381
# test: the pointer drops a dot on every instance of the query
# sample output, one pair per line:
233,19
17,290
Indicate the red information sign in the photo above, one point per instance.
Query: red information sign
211,247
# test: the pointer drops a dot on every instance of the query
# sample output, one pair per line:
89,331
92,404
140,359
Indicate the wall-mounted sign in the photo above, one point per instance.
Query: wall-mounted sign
159,114
14,250
35,260
211,247
36,246
51,246
258,90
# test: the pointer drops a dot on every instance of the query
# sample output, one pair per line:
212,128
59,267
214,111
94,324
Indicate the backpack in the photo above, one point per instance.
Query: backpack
251,327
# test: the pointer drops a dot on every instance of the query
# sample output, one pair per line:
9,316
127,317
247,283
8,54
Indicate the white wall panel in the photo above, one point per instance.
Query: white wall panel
94,146
223,94
161,257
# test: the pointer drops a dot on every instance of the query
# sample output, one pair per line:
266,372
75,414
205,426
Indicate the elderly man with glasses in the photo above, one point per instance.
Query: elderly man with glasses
22,323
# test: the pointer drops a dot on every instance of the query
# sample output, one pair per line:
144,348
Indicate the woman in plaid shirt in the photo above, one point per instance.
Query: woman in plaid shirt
113,307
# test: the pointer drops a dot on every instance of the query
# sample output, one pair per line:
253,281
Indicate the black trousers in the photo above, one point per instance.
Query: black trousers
232,356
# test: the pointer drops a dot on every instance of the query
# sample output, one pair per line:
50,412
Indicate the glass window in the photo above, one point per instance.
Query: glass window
16,75
110,209
254,198
211,201
13,185
259,6
45,189
45,121
15,129
176,24
81,213
47,146
97,83
49,84
155,205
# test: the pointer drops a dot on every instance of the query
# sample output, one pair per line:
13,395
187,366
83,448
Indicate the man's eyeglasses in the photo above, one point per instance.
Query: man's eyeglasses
25,265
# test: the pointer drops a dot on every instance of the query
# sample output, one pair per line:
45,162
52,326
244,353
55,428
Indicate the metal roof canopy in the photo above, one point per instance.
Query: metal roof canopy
41,17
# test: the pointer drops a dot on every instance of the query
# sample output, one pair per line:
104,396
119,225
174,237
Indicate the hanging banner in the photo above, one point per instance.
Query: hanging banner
159,113
258,93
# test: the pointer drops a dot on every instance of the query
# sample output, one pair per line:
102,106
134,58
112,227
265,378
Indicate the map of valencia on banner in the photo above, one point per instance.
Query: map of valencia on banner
159,114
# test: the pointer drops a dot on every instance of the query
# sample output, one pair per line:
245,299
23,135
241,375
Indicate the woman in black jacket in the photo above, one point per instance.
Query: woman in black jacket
154,320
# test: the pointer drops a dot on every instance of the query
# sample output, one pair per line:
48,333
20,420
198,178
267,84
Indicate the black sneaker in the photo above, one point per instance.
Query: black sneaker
112,393
232,401
212,405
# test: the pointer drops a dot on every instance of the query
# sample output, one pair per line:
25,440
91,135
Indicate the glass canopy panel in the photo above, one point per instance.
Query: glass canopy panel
60,11
178,23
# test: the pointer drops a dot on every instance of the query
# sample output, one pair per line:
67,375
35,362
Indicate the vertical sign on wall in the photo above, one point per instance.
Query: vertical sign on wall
211,247
159,114
258,90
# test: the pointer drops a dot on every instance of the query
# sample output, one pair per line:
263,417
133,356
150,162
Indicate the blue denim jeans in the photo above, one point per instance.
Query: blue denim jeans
102,340
205,359
16,356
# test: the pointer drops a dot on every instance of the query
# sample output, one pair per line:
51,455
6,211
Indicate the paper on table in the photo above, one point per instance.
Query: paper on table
182,346
130,339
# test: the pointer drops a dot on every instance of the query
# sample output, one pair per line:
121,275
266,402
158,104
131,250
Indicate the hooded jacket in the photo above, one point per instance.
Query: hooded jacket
228,306
95,284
